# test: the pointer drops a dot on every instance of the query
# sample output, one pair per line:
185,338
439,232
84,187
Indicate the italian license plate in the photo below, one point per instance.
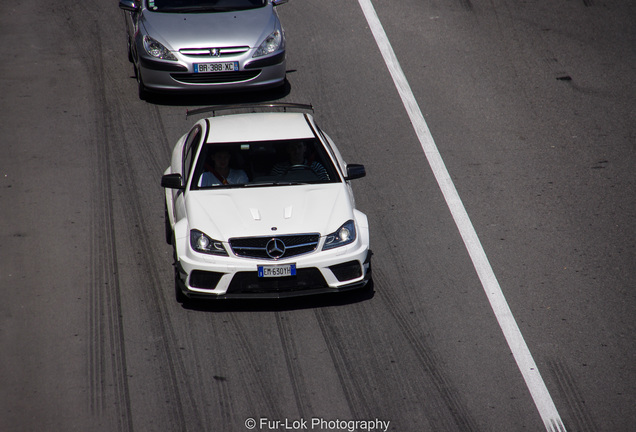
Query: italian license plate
216,67
277,271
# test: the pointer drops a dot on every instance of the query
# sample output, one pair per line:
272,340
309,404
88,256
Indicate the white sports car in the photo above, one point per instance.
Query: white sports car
259,205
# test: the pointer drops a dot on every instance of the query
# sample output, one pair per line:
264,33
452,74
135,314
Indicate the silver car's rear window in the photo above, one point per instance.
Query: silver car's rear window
196,6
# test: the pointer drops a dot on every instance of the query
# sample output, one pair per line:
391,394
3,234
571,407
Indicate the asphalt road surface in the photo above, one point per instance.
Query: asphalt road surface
532,107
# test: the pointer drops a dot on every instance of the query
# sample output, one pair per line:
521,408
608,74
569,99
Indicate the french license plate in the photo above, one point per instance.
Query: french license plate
277,271
216,67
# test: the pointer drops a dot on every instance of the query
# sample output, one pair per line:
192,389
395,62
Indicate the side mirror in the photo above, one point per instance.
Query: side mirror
128,5
172,181
355,171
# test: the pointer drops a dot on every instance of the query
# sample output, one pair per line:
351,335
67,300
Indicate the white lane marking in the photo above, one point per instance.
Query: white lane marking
507,322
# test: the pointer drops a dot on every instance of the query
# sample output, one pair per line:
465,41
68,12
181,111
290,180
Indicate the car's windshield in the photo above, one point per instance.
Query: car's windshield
263,163
192,6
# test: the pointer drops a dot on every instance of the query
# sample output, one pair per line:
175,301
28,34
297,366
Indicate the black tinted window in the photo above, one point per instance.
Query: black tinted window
190,149
264,163
186,6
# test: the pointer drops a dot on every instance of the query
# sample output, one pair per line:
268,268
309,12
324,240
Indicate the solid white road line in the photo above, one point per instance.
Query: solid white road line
516,342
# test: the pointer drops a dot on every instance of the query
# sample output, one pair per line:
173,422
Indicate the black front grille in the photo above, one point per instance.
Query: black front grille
256,247
215,77
250,283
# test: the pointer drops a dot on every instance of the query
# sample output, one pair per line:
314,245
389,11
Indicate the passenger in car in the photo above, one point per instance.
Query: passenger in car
220,172
298,161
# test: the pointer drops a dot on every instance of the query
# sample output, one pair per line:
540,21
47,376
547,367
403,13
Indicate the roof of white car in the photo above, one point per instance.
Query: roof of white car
258,127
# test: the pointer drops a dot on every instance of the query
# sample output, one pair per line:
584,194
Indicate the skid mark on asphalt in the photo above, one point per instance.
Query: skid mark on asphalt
534,382
355,391
442,409
290,351
185,407
261,391
108,384
568,388
448,410
107,369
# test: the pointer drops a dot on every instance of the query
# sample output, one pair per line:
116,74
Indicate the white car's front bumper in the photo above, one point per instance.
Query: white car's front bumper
336,270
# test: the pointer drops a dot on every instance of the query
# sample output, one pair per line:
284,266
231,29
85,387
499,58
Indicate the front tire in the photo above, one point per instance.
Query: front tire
178,293
168,228
141,88
130,54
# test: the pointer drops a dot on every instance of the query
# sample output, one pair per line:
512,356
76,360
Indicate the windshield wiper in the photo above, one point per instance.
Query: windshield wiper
197,9
284,183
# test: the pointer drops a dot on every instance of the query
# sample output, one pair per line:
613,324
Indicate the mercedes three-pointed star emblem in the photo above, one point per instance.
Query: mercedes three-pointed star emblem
275,248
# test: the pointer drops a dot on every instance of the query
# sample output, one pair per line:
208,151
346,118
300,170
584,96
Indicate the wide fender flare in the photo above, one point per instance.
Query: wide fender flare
363,225
181,234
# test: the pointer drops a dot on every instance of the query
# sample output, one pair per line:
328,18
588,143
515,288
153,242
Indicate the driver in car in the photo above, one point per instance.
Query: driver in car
220,172
297,161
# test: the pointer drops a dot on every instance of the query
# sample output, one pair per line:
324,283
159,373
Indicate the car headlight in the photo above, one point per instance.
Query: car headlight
272,43
344,235
204,244
157,50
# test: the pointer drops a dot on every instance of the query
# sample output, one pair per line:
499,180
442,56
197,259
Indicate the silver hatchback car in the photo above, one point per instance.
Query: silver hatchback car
205,45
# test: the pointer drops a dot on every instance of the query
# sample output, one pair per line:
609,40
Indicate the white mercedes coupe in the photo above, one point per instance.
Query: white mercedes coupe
259,205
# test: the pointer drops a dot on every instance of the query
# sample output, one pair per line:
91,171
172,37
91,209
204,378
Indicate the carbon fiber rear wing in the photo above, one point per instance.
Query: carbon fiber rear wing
250,107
